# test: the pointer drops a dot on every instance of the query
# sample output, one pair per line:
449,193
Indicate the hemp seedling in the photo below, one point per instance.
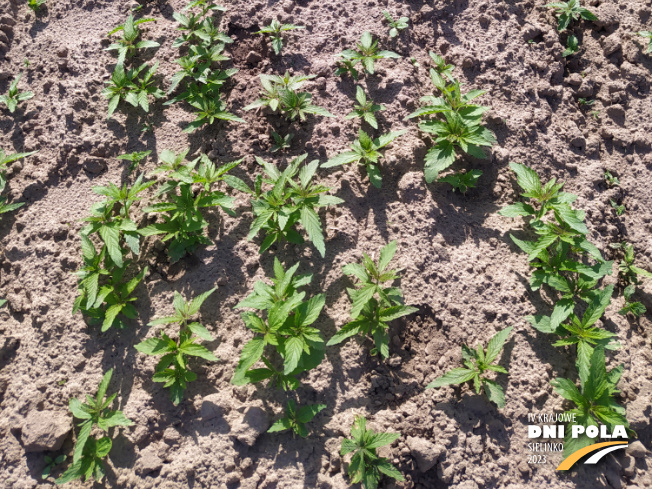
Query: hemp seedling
648,35
365,110
5,159
627,271
128,44
13,97
367,52
572,46
51,463
594,400
35,5
296,420
371,315
611,180
173,369
132,88
476,363
634,307
135,158
89,452
289,202
620,209
365,152
275,30
281,142
366,466
395,25
286,327
568,11
462,181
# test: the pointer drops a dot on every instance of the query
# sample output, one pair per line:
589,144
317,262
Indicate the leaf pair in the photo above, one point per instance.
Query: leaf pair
275,30
128,44
284,322
172,369
568,11
395,25
134,86
366,466
476,364
296,419
367,53
373,304
365,109
5,159
289,202
366,152
88,451
13,96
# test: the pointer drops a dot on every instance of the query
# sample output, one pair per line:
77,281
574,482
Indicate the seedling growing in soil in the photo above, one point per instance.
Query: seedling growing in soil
51,463
569,11
286,327
183,221
173,369
280,93
476,363
5,160
35,5
3,302
620,209
365,152
133,86
135,158
366,466
572,46
128,43
627,271
594,400
296,420
289,202
457,125
648,35
13,97
584,102
275,30
395,25
611,180
345,66
367,52
365,110
373,304
89,452
281,142
634,307
462,181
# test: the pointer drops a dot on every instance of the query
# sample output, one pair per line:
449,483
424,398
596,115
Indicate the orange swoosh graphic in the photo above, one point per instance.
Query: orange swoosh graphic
569,461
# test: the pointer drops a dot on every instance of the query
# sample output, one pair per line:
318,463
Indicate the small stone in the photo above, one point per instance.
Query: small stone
611,44
424,452
253,58
95,166
574,80
210,408
62,53
586,89
616,113
530,31
148,461
636,449
395,361
254,423
629,466
44,431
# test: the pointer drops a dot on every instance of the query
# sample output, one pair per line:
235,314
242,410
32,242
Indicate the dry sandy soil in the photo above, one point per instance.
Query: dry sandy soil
460,268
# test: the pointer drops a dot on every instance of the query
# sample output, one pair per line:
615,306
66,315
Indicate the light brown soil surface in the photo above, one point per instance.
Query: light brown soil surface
460,267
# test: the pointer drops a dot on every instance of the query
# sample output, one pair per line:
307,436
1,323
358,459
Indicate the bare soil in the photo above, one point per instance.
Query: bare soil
460,267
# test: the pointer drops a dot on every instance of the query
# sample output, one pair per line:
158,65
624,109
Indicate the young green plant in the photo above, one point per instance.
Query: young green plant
572,46
395,25
648,36
367,53
367,153
51,463
13,96
172,369
296,419
275,30
134,86
35,5
462,181
128,44
135,158
6,159
365,109
569,11
366,467
281,142
374,304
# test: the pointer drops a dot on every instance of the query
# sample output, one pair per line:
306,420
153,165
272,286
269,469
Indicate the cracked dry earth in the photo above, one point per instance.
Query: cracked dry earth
459,266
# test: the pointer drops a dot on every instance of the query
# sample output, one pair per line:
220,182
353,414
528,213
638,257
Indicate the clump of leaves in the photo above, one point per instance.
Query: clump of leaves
172,369
594,400
6,159
296,419
395,25
345,66
462,181
374,305
51,463
35,5
366,466
476,364
280,93
283,322
620,209
457,123
648,35
569,11
365,110
572,46
610,179
365,152
288,203
89,452
585,102
367,53
631,306
134,86
627,271
135,158
129,43
181,207
281,142
13,97
275,30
